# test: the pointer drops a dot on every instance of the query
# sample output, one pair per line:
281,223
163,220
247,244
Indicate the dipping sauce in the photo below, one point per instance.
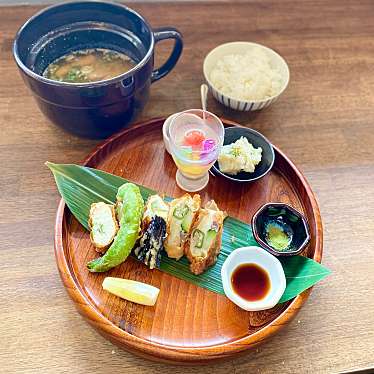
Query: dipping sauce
250,281
89,65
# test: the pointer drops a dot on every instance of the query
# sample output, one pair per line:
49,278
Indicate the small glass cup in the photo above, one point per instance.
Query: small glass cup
196,138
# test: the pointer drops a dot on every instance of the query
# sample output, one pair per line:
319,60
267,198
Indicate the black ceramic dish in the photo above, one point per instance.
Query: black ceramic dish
95,109
257,140
282,213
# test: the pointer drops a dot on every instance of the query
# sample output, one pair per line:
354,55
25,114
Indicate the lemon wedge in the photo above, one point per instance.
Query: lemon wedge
137,292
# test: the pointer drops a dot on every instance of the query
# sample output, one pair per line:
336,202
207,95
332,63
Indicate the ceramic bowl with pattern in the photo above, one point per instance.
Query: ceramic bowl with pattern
240,48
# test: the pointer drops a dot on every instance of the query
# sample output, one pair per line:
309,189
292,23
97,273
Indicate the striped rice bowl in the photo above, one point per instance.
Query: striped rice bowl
244,88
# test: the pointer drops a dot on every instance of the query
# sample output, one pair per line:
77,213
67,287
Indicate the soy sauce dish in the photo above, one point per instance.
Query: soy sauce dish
253,279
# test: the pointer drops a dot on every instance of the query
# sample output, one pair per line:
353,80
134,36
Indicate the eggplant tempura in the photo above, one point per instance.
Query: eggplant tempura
153,226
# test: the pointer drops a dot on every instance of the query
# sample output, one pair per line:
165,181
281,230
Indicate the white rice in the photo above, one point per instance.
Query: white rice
247,77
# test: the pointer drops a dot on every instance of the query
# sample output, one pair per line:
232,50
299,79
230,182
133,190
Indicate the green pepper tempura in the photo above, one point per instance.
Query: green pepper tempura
131,210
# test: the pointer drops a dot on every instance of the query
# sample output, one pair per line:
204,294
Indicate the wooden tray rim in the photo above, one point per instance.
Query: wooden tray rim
164,352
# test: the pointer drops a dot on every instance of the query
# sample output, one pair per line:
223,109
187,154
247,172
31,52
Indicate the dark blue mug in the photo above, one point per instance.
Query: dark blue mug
95,109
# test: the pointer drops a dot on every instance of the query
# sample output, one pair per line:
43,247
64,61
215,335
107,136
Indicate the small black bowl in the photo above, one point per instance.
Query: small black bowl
282,213
232,134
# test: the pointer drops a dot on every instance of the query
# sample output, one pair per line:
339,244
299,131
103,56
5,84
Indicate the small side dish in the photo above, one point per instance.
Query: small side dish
280,229
253,279
246,155
239,156
195,139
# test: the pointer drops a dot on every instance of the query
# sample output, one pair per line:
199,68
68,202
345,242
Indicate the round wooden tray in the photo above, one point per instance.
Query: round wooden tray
188,324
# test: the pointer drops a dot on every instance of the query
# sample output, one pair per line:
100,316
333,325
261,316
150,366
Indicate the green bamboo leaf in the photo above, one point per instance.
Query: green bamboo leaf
81,186
301,273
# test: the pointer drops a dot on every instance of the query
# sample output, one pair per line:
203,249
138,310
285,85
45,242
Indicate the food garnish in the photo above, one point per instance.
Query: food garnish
151,242
239,156
131,202
204,244
137,292
278,234
103,225
182,214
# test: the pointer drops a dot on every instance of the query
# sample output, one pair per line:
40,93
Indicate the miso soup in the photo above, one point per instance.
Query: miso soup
89,65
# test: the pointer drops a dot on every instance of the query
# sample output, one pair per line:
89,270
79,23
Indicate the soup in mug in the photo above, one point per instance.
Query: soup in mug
89,65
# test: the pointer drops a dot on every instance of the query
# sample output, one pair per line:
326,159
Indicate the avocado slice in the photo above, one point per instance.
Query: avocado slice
209,238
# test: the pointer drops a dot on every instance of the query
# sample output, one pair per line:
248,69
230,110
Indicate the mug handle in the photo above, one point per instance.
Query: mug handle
163,33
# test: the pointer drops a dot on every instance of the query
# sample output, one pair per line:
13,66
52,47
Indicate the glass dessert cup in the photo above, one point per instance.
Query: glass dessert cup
196,138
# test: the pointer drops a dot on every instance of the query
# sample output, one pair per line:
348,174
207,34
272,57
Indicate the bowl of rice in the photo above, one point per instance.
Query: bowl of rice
245,76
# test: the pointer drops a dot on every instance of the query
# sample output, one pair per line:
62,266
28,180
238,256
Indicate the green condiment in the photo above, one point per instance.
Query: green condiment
278,236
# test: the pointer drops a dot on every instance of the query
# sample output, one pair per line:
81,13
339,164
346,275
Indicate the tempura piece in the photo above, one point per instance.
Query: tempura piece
182,215
132,208
103,225
153,225
155,206
151,243
204,244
